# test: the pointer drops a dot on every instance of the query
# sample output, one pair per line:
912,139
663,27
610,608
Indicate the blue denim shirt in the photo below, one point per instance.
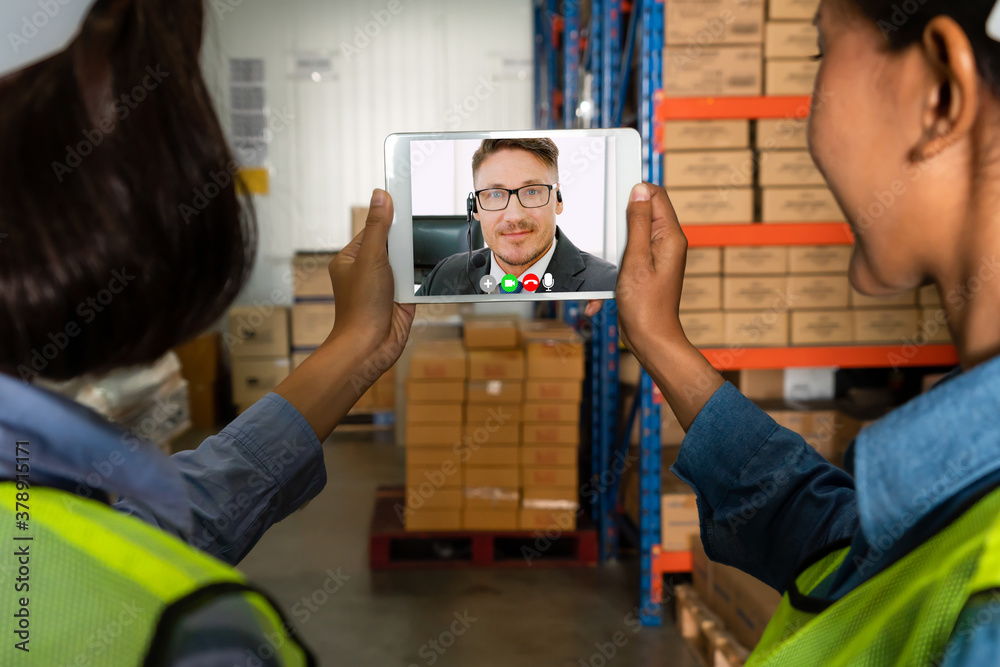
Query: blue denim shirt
767,500
220,498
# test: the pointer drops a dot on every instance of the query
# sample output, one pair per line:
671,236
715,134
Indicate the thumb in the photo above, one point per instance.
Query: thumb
377,225
639,214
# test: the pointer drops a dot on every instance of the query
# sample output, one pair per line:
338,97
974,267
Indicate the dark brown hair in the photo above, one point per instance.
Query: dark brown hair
544,149
122,231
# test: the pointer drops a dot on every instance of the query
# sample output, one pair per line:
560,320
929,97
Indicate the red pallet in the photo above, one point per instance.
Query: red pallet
390,547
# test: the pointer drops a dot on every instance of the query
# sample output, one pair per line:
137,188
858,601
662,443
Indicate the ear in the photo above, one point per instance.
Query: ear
951,102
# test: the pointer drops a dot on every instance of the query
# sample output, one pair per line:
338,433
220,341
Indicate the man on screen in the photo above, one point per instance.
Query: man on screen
516,201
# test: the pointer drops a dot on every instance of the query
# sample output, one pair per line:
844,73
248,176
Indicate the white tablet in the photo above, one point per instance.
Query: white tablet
509,216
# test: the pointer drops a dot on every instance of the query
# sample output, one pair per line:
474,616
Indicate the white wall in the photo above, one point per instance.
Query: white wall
427,67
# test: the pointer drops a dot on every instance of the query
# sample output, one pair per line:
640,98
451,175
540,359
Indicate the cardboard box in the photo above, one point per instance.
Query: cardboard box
755,292
755,260
679,517
199,359
434,391
885,326
553,353
791,168
712,206
697,135
489,519
359,216
434,413
491,498
438,360
551,497
433,435
800,205
491,434
501,455
790,39
796,10
549,477
703,262
819,291
542,433
447,475
763,385
495,392
490,334
903,299
417,498
700,71
430,520
311,275
692,22
496,364
532,455
927,296
422,457
485,414
790,77
553,413
312,323
702,293
501,477
782,134
827,327
756,328
702,169
820,259
257,332
255,378
933,326
544,519
570,391
700,569
756,603
704,329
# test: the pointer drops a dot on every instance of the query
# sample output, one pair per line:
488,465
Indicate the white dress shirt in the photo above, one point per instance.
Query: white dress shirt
538,268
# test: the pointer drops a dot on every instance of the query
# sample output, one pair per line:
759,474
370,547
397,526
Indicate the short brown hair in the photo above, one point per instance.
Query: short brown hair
544,149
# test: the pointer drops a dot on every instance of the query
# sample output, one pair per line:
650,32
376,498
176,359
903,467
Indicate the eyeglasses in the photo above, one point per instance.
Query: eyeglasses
530,196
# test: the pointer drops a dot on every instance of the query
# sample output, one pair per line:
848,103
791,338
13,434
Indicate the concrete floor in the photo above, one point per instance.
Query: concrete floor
555,617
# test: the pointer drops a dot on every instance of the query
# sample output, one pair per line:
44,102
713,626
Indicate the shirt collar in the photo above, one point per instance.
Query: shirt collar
75,449
914,459
538,268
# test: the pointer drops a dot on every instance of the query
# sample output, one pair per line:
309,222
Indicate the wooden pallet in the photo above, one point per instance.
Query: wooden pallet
390,547
705,633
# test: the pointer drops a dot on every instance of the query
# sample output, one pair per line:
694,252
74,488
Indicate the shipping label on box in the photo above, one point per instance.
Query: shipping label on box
257,332
703,262
790,77
501,455
820,259
427,496
570,391
551,497
696,135
757,329
435,391
501,477
701,293
532,455
490,334
448,475
695,22
713,206
536,476
903,299
819,291
492,433
496,364
553,413
782,134
792,168
541,433
800,205
311,275
546,519
796,10
833,327
704,329
755,260
886,326
434,413
434,519
697,71
491,497
495,392
438,360
255,378
433,435
484,413
791,39
703,169
755,292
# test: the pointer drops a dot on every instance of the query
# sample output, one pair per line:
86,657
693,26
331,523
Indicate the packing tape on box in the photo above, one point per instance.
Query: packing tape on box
491,493
542,504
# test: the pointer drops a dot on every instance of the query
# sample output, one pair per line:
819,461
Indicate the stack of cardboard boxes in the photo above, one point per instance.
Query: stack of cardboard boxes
257,341
790,47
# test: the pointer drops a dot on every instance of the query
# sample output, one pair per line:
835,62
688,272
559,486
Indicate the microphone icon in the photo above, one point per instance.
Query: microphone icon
548,281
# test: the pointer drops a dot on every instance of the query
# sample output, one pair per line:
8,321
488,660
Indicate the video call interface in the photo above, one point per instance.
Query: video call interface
510,217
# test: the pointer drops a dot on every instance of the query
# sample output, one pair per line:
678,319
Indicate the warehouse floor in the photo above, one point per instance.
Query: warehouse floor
556,618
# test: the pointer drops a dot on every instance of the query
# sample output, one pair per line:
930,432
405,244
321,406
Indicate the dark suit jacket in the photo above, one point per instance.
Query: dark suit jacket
572,269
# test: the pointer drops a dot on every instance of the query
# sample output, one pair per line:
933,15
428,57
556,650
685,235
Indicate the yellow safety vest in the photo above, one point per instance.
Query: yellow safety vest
84,584
904,615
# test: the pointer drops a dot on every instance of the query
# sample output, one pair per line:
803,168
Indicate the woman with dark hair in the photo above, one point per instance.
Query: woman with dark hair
108,133
898,564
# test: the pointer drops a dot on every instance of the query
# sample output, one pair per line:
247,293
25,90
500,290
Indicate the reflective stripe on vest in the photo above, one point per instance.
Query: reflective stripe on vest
904,615
91,585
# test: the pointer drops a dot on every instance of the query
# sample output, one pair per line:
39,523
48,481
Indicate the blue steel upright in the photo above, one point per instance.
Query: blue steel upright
571,62
604,420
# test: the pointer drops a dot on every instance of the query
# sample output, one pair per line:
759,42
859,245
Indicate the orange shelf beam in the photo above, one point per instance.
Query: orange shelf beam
869,356
759,234
730,108
667,562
